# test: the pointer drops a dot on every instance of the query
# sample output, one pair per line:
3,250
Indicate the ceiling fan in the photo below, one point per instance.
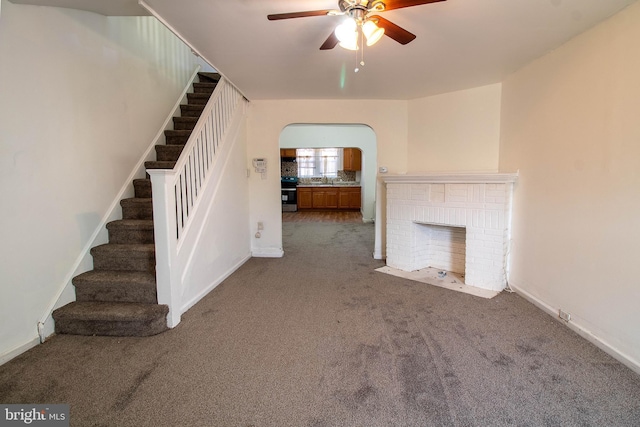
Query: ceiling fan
362,14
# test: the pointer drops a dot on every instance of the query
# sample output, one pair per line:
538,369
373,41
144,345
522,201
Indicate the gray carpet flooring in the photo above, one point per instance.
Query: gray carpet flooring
318,338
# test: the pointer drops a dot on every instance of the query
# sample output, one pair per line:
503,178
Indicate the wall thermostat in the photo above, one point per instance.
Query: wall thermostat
260,166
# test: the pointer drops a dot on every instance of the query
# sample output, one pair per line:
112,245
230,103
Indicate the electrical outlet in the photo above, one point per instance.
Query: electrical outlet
564,315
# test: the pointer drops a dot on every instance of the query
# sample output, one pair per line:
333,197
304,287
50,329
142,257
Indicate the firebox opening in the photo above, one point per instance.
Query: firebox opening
440,246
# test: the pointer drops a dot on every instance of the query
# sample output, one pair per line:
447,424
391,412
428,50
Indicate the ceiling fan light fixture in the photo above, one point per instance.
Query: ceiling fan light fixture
350,44
372,32
347,30
347,33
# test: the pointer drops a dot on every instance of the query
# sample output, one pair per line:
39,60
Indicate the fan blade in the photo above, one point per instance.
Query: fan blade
398,4
397,33
290,15
330,43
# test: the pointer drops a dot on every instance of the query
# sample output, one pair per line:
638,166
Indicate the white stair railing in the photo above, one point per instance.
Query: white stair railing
176,192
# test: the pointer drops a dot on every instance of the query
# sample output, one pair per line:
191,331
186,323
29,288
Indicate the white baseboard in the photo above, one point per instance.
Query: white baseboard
626,360
5,357
267,252
193,301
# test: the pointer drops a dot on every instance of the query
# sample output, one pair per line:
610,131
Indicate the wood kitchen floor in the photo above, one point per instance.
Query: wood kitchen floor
322,216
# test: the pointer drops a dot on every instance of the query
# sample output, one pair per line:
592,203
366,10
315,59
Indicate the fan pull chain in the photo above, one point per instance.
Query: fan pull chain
362,53
362,56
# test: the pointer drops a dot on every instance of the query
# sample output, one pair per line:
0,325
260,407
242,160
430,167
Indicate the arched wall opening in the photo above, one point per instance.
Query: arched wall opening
303,135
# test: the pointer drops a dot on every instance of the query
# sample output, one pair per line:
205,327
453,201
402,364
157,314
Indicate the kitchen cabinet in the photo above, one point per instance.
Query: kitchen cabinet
329,197
350,198
325,198
305,198
352,159
287,152
319,199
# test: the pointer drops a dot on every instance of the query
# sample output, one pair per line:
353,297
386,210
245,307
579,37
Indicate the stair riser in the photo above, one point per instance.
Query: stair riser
191,111
168,152
179,123
197,98
176,140
123,262
137,212
142,188
203,88
206,76
159,165
117,293
112,328
130,236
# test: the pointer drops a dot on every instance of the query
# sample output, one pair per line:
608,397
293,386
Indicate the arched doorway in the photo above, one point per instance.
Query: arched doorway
302,135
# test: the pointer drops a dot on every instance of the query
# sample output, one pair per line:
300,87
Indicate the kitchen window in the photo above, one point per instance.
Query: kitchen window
318,162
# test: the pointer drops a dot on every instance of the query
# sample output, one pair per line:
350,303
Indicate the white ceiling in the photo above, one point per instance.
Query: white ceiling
460,43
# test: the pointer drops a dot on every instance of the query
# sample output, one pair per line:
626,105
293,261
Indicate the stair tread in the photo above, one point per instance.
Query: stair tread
199,95
137,200
134,224
209,75
110,311
160,164
101,277
186,119
169,147
179,132
138,248
192,106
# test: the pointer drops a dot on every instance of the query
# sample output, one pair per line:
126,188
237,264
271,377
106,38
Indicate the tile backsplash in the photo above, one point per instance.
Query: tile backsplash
347,175
289,169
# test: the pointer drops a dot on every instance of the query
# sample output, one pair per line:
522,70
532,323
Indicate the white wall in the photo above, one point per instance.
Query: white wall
392,122
267,119
83,95
570,124
457,131
359,136
222,244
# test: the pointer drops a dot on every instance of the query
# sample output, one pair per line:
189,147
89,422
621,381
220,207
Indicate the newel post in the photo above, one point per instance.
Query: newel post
164,229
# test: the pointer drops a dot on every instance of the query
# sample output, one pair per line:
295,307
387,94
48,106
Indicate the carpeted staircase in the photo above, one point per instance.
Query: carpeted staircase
118,297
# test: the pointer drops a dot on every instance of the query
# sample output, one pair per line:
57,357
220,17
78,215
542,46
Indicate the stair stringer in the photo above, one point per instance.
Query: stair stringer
176,239
200,271
66,291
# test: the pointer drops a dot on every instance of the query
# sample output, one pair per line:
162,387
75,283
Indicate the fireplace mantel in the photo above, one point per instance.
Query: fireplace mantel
451,178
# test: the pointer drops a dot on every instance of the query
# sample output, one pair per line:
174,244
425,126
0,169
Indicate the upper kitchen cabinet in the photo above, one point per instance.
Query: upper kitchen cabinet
352,159
287,152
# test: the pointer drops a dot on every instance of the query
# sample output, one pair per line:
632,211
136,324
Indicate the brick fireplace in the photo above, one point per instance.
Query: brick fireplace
453,222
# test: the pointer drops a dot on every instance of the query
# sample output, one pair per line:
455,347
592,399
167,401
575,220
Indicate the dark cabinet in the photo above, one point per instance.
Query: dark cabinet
352,159
350,198
287,152
329,198
305,199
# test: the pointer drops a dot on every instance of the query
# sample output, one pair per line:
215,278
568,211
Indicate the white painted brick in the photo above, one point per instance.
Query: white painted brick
482,208
436,193
456,193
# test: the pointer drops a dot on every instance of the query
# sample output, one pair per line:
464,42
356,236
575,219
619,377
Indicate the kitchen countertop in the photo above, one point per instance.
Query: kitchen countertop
329,184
